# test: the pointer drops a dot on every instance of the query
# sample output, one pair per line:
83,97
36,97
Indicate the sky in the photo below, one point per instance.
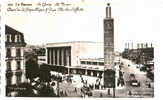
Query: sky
136,21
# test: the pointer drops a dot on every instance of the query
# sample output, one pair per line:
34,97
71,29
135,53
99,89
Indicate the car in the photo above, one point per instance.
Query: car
135,83
143,69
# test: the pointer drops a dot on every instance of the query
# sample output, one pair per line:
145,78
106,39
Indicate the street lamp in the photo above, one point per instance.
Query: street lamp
58,82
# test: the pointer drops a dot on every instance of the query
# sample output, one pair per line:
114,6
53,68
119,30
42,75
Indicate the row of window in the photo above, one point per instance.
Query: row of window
92,63
89,72
18,65
18,80
13,38
8,52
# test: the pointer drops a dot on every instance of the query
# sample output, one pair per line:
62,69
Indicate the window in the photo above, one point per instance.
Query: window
82,62
8,52
13,38
8,80
94,63
18,52
89,63
18,38
18,79
8,66
7,38
18,65
101,63
42,59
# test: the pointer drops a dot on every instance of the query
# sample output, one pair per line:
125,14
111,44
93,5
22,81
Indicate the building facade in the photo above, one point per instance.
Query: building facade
140,55
79,57
15,62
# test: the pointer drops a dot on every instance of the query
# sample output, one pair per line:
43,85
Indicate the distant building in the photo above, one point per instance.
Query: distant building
41,57
15,71
79,57
140,55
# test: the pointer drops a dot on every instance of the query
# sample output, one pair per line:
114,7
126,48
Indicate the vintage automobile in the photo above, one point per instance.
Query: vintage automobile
133,81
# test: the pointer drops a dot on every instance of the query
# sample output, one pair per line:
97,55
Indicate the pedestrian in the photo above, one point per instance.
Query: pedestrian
129,93
93,86
149,85
100,94
61,93
75,90
108,91
65,94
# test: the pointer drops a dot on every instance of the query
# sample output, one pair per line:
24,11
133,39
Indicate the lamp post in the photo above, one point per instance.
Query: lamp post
58,83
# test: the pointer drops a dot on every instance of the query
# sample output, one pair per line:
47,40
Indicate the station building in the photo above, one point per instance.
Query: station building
77,57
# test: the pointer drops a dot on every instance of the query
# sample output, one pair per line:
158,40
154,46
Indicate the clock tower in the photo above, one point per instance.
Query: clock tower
108,39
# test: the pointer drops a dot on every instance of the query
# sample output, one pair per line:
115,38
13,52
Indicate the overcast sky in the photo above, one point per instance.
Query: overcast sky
134,21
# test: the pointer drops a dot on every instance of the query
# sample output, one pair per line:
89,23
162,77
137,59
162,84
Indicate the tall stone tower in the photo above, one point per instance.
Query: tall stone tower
108,39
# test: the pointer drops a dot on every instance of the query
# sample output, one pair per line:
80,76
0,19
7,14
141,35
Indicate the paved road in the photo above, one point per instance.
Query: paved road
143,90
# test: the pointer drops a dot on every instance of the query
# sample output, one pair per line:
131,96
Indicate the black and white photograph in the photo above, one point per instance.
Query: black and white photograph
80,49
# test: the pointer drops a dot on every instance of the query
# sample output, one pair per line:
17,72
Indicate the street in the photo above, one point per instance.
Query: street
142,91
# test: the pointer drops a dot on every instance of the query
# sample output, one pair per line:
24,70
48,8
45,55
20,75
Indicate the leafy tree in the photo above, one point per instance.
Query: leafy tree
150,75
32,69
44,73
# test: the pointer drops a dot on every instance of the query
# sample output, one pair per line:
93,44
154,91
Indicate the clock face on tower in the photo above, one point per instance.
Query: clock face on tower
108,25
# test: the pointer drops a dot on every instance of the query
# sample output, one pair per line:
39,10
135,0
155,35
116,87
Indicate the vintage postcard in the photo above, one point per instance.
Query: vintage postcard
79,48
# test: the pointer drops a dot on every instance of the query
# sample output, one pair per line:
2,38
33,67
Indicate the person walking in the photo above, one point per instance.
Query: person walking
75,90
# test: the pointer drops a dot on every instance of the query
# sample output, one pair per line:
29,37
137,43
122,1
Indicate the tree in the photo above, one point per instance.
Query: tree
150,75
32,69
44,73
